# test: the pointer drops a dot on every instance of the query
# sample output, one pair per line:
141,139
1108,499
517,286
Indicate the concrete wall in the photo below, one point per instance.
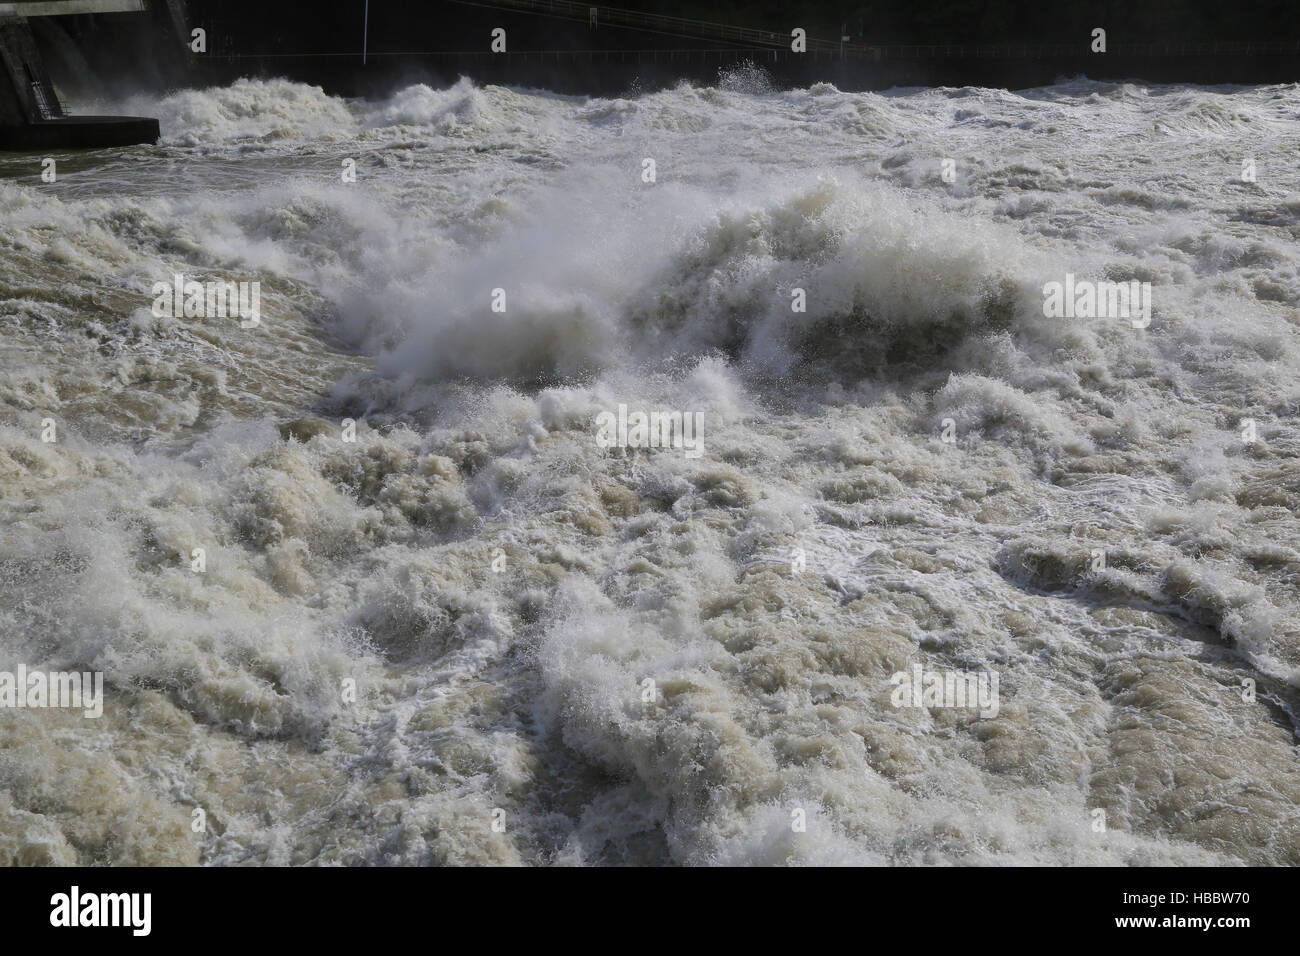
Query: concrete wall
22,63
55,31
440,40
114,55
63,8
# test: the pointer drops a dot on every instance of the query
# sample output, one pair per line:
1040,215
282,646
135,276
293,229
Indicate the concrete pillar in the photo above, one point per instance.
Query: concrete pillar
26,93
31,117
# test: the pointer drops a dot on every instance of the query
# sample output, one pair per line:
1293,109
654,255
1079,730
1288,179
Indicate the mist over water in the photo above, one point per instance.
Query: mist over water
499,586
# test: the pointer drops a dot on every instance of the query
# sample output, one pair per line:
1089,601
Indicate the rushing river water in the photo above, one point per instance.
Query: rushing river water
476,635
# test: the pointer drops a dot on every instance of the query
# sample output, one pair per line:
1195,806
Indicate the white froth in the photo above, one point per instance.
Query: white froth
500,588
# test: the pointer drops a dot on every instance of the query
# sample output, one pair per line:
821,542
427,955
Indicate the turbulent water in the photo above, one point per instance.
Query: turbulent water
1099,531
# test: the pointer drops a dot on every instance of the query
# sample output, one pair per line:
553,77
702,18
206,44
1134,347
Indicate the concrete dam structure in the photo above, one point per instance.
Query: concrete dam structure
370,47
31,115
367,47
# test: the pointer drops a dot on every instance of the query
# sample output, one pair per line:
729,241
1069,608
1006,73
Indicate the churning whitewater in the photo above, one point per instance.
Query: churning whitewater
365,587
